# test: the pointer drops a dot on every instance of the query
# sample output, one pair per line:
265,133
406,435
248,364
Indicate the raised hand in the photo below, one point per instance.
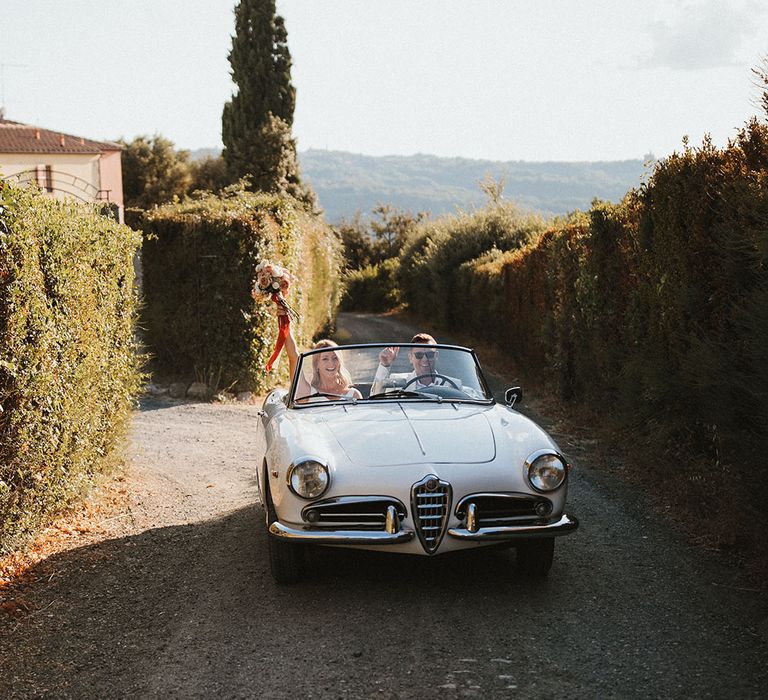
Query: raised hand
387,355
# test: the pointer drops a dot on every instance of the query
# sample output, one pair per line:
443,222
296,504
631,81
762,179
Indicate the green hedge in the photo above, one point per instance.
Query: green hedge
68,366
372,288
654,312
565,302
702,360
429,276
199,261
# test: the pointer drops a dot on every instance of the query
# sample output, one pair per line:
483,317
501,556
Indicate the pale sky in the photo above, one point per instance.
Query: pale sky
493,79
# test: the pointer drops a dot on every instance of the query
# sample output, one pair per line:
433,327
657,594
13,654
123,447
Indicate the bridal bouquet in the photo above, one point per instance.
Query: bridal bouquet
272,284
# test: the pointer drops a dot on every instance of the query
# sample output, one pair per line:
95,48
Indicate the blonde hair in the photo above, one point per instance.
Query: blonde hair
342,373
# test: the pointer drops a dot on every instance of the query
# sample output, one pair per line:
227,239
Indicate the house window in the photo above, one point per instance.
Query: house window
48,178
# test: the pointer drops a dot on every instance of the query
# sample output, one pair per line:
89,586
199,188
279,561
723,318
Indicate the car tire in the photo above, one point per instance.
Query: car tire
286,560
534,558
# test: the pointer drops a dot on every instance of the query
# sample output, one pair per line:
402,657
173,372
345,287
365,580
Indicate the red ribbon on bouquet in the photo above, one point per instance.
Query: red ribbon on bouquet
283,326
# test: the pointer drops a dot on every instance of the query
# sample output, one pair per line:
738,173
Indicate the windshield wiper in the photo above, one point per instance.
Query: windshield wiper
326,395
399,394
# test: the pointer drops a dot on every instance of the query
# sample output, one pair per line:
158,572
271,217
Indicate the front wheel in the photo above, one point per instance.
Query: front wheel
534,558
286,560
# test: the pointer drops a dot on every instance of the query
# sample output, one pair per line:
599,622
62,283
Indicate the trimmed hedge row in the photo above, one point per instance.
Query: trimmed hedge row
199,261
657,308
372,288
654,312
68,363
429,275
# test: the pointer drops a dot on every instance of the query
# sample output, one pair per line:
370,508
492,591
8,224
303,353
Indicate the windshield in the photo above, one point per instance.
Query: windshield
413,372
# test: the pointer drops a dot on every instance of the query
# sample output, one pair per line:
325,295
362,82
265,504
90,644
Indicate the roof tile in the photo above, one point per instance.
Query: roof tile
25,138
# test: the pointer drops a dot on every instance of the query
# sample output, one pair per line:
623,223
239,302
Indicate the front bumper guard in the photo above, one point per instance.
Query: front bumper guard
369,537
563,526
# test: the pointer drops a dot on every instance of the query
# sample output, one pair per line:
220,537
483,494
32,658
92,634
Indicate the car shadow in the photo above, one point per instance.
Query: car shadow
183,608
191,610
493,569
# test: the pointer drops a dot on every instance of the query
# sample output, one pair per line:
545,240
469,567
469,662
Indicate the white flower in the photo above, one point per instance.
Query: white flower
275,286
264,280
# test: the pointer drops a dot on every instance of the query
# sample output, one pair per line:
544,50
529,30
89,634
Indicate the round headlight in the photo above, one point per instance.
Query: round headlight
546,470
309,479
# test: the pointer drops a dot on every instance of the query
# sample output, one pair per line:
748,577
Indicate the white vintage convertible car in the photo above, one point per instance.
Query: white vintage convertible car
414,457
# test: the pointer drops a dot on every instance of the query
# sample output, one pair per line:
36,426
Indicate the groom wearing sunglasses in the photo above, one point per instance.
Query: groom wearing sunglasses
423,362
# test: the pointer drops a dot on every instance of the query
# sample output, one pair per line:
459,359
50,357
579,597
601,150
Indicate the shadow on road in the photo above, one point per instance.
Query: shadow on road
192,611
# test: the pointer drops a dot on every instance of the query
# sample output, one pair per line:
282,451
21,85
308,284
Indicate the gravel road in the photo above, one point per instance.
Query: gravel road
176,599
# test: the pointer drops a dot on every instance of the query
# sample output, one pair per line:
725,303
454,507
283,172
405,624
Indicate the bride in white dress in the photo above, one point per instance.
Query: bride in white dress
330,379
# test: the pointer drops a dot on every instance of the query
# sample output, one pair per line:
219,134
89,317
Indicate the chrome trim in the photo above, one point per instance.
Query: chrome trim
501,495
392,523
472,525
413,430
431,487
564,526
513,395
540,453
371,537
307,458
326,504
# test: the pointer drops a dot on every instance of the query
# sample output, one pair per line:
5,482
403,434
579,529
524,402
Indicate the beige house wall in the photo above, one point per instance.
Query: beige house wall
111,170
73,174
89,177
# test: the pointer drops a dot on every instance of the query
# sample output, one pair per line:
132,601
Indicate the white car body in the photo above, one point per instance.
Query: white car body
463,452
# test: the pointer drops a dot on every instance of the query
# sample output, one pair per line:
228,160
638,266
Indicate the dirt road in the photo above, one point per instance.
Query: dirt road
177,600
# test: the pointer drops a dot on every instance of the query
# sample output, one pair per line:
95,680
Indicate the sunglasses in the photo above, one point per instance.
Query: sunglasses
429,354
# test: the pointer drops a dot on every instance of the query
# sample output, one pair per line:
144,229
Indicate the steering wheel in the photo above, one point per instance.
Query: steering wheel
435,374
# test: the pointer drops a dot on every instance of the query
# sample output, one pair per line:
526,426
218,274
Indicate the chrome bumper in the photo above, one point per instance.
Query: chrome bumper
293,534
565,525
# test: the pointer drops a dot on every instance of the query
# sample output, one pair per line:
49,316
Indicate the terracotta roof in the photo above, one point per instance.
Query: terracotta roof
25,138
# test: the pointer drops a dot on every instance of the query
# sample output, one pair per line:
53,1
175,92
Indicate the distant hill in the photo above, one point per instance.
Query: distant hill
348,182
200,153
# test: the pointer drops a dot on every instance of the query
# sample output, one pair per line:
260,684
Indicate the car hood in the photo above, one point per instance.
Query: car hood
398,434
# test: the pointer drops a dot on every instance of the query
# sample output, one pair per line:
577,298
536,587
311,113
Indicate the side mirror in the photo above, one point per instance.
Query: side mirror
513,395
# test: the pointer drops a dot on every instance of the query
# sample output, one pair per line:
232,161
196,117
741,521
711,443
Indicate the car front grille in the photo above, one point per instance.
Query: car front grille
352,512
503,509
430,505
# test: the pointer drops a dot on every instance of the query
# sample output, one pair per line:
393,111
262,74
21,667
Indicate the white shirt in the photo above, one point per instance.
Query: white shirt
383,373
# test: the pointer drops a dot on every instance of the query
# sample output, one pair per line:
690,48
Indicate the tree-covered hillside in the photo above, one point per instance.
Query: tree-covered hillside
349,182
346,182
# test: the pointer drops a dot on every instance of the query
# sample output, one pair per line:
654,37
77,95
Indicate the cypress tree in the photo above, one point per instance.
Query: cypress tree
256,122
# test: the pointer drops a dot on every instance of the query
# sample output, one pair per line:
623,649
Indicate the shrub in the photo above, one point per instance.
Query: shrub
431,260
199,265
703,283
653,312
372,288
68,366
